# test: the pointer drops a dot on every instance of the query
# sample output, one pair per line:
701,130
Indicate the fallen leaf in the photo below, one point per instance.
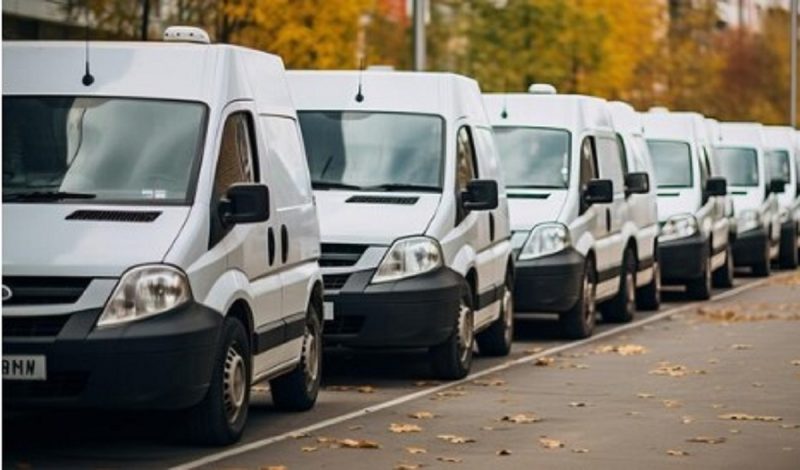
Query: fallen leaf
796,362
717,406
734,431
548,443
790,426
578,404
453,439
747,417
671,370
416,450
677,453
300,435
407,466
741,347
521,419
326,440
275,467
366,389
713,361
309,448
633,413
687,419
645,395
449,459
622,349
671,403
503,452
707,440
758,385
422,415
489,382
580,451
535,350
451,393
359,444
404,428
544,361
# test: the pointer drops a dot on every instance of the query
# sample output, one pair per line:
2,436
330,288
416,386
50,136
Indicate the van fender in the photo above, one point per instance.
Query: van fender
231,286
463,261
584,243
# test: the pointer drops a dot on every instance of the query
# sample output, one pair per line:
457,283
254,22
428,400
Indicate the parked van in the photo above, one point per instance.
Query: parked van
643,207
414,220
573,235
160,240
740,152
712,131
781,155
694,246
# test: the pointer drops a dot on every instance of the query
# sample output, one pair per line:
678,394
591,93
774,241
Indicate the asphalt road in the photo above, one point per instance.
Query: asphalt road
607,409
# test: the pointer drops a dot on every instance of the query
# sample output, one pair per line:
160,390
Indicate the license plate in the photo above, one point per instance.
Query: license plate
327,310
24,368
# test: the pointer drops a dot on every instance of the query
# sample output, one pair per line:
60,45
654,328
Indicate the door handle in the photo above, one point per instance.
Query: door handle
608,220
284,244
491,226
271,246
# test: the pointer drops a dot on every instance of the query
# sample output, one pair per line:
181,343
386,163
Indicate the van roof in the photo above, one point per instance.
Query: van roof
625,118
780,137
212,74
681,126
741,134
448,95
572,112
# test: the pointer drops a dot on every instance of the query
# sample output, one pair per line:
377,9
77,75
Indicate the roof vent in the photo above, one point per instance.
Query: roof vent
186,34
114,216
658,110
542,89
400,200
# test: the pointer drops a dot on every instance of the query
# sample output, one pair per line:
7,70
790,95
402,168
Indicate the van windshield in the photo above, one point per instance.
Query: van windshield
373,151
738,165
778,165
672,163
104,149
534,157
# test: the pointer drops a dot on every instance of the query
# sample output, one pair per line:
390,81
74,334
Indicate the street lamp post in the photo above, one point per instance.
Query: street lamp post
793,104
419,35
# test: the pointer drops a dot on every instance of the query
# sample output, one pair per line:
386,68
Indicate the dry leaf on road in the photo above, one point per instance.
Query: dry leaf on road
503,452
449,459
359,444
645,395
407,466
796,362
677,453
790,426
422,415
275,467
548,443
535,350
707,440
416,450
493,382
747,417
521,419
451,394
687,419
404,428
308,449
672,370
578,404
741,347
453,439
366,389
671,403
580,451
544,361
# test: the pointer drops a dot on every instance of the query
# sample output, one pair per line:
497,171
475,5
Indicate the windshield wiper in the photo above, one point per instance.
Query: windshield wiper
334,185
533,186
47,196
402,187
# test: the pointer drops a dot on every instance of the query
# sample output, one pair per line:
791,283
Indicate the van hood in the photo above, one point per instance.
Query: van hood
39,240
674,201
373,218
531,207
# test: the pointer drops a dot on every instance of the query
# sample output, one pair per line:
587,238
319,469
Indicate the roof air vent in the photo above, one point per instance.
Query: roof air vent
542,89
658,110
186,34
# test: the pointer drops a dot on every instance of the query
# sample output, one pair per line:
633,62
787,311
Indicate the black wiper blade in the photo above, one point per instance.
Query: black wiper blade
334,185
47,196
403,187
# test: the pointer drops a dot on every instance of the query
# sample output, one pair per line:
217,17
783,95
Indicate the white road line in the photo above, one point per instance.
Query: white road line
244,448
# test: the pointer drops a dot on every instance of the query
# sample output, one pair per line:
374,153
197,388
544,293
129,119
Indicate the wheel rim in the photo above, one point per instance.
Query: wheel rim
311,355
234,383
465,331
588,301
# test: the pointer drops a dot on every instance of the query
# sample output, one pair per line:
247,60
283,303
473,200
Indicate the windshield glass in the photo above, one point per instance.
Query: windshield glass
533,157
106,149
738,165
375,151
672,163
778,165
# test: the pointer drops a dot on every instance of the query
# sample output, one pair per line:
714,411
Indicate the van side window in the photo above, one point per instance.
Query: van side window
609,162
623,154
465,159
705,171
588,166
235,162
286,157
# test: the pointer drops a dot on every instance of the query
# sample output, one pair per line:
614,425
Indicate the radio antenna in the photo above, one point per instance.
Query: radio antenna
359,94
88,78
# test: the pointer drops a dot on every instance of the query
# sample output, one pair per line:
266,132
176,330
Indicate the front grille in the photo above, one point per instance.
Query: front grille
25,327
44,290
114,216
400,200
341,254
334,281
57,385
344,325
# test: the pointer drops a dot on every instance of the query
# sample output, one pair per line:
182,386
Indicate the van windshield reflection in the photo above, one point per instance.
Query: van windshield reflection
534,157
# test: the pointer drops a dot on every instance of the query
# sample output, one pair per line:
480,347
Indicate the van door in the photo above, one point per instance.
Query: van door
616,213
592,218
713,209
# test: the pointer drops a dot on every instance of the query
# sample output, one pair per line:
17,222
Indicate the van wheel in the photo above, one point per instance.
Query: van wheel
700,288
220,417
496,340
723,277
452,359
622,307
763,268
649,296
298,390
579,321
788,257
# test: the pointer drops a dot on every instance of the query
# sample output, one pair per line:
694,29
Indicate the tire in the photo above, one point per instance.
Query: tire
622,308
496,340
700,288
452,359
762,268
649,297
580,320
788,255
220,417
723,276
298,389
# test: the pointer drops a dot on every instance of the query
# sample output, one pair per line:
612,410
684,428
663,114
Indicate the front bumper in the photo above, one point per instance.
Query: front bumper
409,313
162,362
682,260
750,247
549,284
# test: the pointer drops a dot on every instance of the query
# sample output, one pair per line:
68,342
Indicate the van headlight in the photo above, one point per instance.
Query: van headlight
545,239
679,226
145,291
747,220
409,257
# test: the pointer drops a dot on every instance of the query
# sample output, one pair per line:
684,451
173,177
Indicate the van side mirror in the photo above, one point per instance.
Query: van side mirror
777,186
598,192
481,195
637,183
717,186
245,203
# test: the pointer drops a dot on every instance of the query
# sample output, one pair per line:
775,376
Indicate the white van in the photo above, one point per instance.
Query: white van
573,237
781,155
160,240
694,246
643,207
415,234
740,152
